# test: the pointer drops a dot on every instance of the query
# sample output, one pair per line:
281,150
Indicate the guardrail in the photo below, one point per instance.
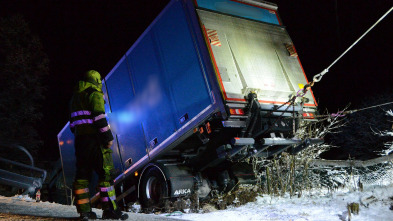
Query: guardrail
28,183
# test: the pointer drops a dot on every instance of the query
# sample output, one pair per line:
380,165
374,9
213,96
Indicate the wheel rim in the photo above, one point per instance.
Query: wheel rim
153,189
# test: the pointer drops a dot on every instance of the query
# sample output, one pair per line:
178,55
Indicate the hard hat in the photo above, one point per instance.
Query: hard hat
93,77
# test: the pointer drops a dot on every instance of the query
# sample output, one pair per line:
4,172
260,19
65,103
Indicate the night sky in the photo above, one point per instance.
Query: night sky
91,34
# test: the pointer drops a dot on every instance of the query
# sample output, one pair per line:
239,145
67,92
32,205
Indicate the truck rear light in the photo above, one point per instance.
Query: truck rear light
236,111
208,129
308,115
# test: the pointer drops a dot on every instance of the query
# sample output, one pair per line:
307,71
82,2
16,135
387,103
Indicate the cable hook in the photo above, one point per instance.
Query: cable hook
318,77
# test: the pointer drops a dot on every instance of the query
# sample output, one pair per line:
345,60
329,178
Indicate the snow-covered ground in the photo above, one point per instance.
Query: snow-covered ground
374,205
53,211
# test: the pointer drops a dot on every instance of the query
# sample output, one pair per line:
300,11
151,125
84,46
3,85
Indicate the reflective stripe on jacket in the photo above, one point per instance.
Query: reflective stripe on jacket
88,112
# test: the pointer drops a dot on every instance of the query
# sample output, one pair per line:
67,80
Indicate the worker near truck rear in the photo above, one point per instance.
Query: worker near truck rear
93,139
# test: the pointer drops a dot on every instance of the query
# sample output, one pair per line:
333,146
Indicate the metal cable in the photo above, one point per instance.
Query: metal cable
319,76
361,109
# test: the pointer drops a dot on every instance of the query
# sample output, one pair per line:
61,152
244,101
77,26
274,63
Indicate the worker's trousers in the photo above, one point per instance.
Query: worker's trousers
92,156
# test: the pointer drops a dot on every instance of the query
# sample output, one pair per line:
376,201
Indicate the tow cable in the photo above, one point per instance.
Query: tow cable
318,77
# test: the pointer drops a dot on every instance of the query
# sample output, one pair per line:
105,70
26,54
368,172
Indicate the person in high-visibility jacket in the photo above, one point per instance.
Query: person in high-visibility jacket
93,139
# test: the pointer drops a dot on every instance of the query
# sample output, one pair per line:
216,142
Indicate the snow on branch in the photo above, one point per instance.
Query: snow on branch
389,113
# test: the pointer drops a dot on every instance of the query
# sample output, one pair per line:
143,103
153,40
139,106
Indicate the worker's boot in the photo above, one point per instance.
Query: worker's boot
82,199
114,214
109,205
87,215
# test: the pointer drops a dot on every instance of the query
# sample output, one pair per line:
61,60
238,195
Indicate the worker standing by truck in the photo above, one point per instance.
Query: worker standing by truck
93,139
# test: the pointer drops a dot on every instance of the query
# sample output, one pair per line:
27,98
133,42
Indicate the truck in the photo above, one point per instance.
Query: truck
210,86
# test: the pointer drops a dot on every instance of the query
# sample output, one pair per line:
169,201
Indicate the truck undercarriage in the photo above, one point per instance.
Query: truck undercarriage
218,158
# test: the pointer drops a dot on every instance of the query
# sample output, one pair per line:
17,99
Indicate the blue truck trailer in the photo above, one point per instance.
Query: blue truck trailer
209,85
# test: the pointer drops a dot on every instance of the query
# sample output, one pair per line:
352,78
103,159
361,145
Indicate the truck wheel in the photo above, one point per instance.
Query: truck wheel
153,188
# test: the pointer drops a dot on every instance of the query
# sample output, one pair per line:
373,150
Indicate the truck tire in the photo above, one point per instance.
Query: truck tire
153,188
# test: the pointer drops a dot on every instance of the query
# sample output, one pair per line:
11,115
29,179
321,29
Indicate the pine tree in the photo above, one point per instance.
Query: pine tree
23,66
